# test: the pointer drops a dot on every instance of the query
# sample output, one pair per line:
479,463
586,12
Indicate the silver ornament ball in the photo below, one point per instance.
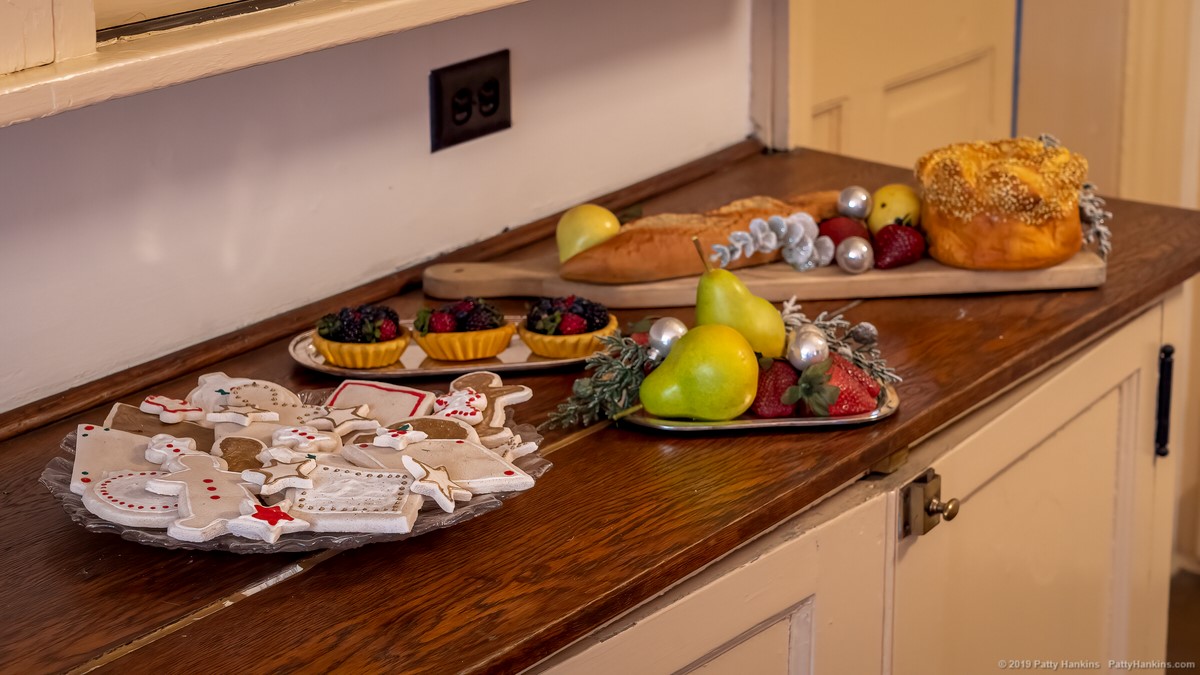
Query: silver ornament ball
807,348
854,202
854,255
663,334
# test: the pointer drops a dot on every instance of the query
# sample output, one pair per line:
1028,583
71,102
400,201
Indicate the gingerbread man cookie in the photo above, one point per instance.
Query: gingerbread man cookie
209,497
171,410
164,449
239,452
492,431
466,405
398,439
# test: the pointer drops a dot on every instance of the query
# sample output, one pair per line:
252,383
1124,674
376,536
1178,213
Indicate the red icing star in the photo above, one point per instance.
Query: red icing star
271,514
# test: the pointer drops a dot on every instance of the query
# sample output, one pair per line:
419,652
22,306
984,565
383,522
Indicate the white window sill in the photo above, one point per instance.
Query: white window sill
133,65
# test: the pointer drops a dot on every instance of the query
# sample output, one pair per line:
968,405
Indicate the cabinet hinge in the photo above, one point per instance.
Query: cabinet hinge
1162,416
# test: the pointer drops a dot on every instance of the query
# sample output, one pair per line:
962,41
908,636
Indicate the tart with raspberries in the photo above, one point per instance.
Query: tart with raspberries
367,336
566,328
466,330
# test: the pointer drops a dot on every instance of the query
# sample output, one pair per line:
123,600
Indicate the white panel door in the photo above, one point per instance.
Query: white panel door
1060,551
888,81
806,598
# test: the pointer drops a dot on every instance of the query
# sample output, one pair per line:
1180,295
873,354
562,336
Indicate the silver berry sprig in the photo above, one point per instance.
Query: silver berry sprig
1092,214
857,342
802,246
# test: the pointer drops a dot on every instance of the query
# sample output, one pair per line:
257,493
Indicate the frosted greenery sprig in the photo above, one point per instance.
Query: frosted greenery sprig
857,342
797,235
617,374
1092,214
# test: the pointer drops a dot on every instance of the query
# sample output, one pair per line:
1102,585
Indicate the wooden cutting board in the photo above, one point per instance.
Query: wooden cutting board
776,282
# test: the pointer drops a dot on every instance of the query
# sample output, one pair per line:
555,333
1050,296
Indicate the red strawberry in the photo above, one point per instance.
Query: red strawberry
868,383
460,308
572,324
830,391
442,322
642,338
387,330
897,245
841,227
773,383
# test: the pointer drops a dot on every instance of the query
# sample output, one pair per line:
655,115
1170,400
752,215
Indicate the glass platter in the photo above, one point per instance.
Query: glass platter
415,363
889,403
57,479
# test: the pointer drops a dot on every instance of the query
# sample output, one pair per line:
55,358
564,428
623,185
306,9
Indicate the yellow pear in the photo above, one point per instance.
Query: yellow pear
722,298
583,227
710,374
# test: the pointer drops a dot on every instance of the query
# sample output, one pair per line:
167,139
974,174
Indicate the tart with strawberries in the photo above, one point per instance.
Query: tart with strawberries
466,330
367,336
566,328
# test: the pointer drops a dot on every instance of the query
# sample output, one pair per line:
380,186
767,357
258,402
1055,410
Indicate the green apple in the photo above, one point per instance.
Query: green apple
711,374
894,204
583,227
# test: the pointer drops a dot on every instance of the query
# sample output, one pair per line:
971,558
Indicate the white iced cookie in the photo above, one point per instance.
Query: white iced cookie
304,438
214,390
472,466
281,475
171,410
243,415
101,450
209,497
398,439
122,498
466,405
435,483
267,522
353,499
164,449
388,403
342,421
492,432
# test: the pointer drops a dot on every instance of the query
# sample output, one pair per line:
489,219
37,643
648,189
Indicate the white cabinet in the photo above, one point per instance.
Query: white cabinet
1060,550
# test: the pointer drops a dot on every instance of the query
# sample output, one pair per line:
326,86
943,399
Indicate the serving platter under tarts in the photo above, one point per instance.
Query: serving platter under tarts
414,362
888,404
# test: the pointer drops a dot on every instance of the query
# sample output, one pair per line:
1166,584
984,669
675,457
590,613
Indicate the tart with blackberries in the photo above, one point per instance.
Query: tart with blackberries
367,336
466,330
566,328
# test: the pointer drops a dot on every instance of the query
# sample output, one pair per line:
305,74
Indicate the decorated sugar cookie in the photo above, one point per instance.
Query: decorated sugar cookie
357,500
278,476
171,410
164,449
214,390
208,497
101,450
342,421
435,483
122,498
388,403
398,439
304,438
466,405
242,415
124,417
240,453
472,466
492,431
432,427
285,455
514,448
267,522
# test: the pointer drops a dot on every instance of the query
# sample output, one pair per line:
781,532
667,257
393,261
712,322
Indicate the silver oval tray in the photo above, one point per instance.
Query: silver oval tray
414,362
890,402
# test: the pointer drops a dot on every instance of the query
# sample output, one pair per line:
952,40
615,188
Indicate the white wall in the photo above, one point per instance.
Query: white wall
136,227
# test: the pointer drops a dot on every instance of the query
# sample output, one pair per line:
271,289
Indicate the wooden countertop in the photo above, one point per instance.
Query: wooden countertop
623,515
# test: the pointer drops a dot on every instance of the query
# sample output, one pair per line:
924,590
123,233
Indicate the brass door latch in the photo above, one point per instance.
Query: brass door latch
922,507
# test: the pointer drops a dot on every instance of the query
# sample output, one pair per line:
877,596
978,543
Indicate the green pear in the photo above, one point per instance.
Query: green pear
711,374
722,298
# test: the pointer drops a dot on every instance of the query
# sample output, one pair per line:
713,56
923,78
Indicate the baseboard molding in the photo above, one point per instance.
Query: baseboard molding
130,380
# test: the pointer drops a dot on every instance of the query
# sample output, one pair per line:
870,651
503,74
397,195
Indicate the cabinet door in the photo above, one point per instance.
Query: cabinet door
1061,549
807,597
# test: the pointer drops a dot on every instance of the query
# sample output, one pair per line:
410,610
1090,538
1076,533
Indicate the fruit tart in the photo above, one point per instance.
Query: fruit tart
367,336
566,328
466,330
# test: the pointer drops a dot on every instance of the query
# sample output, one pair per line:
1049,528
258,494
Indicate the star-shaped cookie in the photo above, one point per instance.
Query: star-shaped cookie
242,414
281,475
434,482
342,421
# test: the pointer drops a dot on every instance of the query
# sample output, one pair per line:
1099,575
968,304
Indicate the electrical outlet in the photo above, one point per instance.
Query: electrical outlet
469,99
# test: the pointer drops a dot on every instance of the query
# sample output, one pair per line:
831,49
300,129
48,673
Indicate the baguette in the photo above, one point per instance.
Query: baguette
660,246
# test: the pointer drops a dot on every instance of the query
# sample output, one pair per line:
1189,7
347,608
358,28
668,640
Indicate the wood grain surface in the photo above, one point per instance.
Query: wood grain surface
776,282
624,514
